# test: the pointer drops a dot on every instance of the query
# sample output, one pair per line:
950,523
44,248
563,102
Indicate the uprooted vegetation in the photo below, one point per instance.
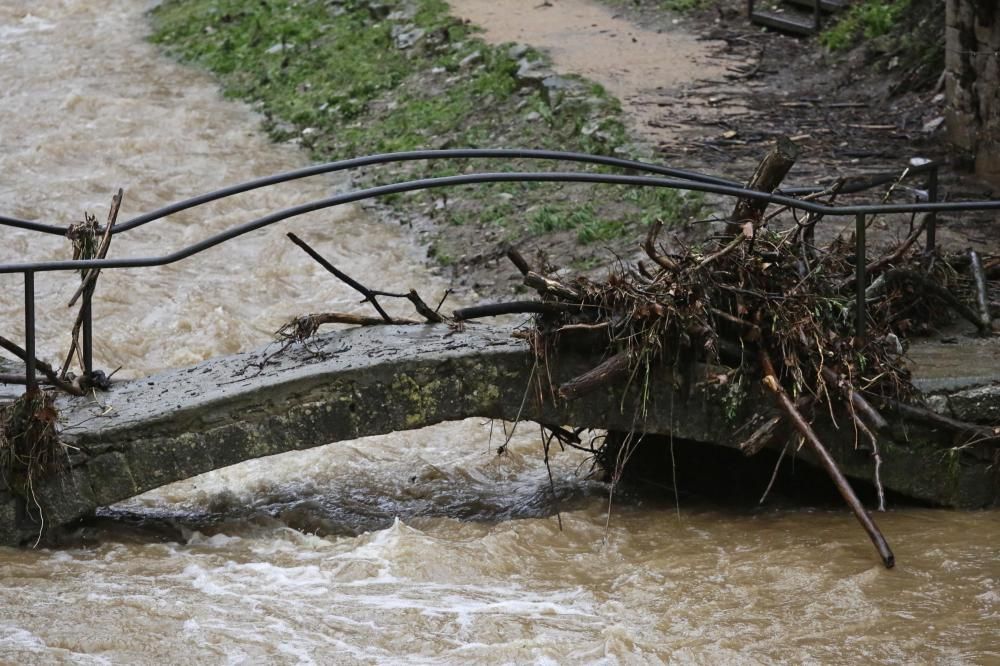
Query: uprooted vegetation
30,448
765,306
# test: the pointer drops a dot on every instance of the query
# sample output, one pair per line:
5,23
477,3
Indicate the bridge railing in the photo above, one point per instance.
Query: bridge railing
661,176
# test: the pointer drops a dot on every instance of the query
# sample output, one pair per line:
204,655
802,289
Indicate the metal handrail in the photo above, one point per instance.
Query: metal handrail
703,184
446,154
380,159
503,177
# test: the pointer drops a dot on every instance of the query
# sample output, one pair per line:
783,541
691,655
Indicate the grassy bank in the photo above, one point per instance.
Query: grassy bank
346,78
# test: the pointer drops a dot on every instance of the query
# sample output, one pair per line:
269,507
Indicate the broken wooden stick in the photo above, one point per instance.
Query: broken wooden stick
46,369
768,176
89,283
602,375
546,285
513,307
91,277
976,267
424,310
894,256
826,460
875,454
761,437
304,327
518,261
649,246
872,415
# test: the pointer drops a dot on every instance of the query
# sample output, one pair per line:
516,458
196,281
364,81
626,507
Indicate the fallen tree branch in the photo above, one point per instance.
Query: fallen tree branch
985,433
897,254
876,457
89,283
650,247
584,327
826,460
899,274
872,415
46,369
602,375
752,330
304,327
424,310
976,266
513,307
516,259
546,285
767,177
729,247
91,277
766,433
343,277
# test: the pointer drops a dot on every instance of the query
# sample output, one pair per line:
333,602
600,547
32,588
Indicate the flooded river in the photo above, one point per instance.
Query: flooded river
422,547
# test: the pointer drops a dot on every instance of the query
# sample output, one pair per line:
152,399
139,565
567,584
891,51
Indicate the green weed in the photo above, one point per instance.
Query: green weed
336,78
867,20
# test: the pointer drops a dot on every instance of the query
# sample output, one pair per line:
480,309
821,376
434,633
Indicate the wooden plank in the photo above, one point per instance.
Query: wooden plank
828,6
790,23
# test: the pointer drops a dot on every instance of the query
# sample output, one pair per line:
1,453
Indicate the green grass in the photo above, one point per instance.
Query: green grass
333,77
868,20
311,69
589,227
682,5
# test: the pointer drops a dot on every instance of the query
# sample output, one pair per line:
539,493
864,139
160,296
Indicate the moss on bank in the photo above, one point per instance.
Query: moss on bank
902,35
352,77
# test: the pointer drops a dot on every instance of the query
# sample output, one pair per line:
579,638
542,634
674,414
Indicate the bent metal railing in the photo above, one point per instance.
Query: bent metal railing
666,177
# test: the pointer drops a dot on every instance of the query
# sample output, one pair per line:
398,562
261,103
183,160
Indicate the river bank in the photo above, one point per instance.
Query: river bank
372,77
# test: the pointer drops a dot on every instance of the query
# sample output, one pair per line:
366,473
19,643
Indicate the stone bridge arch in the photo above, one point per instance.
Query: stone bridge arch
150,432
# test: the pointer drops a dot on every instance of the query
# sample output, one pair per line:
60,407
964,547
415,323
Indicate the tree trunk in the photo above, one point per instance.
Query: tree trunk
972,78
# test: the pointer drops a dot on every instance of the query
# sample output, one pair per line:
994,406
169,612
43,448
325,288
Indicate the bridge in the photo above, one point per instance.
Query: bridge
149,432
145,433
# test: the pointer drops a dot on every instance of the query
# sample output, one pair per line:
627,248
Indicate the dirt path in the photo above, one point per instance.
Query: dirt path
645,69
715,105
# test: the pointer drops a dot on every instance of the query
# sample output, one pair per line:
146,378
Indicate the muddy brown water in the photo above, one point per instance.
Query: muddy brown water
422,547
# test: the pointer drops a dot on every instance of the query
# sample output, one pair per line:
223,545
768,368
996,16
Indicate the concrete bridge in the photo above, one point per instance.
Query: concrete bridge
150,432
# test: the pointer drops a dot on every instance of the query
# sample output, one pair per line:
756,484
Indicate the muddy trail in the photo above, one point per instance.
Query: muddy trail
639,65
711,92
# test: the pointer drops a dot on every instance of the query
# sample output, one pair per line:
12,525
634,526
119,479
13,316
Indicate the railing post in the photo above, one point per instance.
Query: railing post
932,197
29,331
860,278
88,333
